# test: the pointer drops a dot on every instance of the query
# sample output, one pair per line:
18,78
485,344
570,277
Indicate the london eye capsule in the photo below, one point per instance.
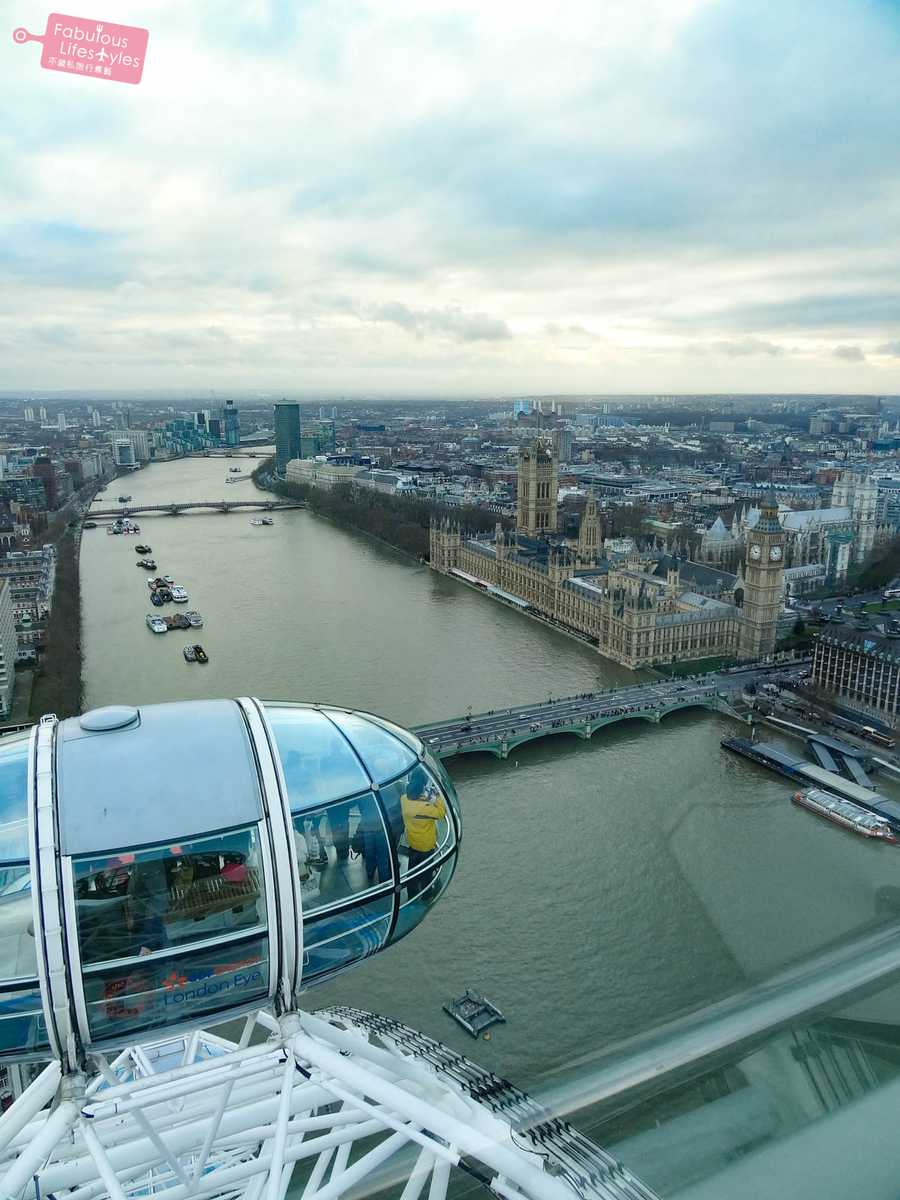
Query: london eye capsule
173,864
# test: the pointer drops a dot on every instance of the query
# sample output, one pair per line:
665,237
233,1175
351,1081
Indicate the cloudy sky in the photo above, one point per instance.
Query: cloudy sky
458,196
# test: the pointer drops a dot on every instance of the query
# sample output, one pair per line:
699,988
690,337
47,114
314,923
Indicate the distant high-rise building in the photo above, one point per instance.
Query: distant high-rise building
62,423
538,489
43,414
140,444
201,419
565,439
44,470
326,413
95,418
232,424
287,434
123,452
521,406
29,414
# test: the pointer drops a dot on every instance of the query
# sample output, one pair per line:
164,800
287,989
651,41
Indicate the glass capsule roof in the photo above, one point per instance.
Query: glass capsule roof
13,798
329,753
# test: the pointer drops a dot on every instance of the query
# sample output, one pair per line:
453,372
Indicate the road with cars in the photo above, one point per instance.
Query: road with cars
588,708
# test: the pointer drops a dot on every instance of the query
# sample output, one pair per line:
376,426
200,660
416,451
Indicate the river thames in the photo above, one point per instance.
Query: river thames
602,886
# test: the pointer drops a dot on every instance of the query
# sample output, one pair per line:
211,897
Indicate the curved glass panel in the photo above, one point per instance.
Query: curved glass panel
138,903
385,755
418,816
148,993
332,941
410,739
342,851
18,957
318,764
22,1028
14,798
422,891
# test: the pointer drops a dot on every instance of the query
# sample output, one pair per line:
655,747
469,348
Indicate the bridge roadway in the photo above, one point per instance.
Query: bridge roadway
131,510
501,730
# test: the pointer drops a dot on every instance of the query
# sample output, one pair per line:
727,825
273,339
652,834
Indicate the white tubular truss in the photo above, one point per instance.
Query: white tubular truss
310,1102
46,897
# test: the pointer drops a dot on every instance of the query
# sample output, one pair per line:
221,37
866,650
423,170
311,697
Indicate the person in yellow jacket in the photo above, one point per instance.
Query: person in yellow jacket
422,807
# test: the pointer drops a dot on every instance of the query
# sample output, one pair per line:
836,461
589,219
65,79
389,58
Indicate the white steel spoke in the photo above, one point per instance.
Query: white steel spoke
341,1094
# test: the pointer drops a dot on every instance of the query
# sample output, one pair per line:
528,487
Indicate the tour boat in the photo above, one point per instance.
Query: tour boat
142,549
845,813
179,595
190,654
195,619
156,624
261,521
234,470
201,655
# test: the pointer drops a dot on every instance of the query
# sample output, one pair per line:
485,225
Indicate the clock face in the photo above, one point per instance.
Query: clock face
755,552
775,553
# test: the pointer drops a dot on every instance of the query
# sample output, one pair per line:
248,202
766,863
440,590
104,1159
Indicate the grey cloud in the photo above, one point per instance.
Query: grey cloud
452,322
748,345
849,353
890,348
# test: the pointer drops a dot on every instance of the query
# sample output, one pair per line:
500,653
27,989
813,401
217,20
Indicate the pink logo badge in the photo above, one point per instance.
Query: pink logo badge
82,47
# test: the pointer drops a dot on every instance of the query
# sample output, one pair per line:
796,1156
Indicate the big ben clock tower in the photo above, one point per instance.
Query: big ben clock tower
763,584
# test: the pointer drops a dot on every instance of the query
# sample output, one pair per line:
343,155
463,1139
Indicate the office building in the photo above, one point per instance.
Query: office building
287,435
231,424
861,667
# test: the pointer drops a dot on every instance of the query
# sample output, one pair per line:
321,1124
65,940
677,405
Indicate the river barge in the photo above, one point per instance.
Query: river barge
845,813
474,1012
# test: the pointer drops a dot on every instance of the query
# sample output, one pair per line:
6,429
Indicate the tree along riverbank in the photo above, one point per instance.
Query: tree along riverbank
399,521
57,686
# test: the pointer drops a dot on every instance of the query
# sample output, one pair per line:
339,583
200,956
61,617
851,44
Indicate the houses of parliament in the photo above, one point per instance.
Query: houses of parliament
639,609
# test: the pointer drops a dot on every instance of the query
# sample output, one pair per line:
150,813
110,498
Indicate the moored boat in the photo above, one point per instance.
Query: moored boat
200,653
195,618
156,624
190,654
845,813
179,594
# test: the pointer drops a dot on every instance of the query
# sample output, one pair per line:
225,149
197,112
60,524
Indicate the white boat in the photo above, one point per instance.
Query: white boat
179,595
195,618
845,813
261,521
156,624
190,654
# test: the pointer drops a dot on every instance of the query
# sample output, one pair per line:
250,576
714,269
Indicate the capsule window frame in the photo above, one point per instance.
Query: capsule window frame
270,931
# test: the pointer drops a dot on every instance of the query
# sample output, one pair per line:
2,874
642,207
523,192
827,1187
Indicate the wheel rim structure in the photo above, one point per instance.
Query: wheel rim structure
325,1104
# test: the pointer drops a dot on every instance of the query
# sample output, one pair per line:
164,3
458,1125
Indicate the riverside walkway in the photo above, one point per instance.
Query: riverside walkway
173,509
501,730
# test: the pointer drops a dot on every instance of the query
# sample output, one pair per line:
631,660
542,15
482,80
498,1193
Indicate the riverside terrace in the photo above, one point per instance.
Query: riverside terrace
501,730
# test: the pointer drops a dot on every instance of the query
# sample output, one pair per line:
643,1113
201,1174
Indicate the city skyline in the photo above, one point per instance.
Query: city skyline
690,197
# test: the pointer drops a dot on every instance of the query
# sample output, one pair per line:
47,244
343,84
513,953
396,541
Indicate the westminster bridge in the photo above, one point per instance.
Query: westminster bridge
502,729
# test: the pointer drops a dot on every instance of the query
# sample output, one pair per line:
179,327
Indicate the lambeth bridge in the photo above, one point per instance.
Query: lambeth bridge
132,510
501,730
